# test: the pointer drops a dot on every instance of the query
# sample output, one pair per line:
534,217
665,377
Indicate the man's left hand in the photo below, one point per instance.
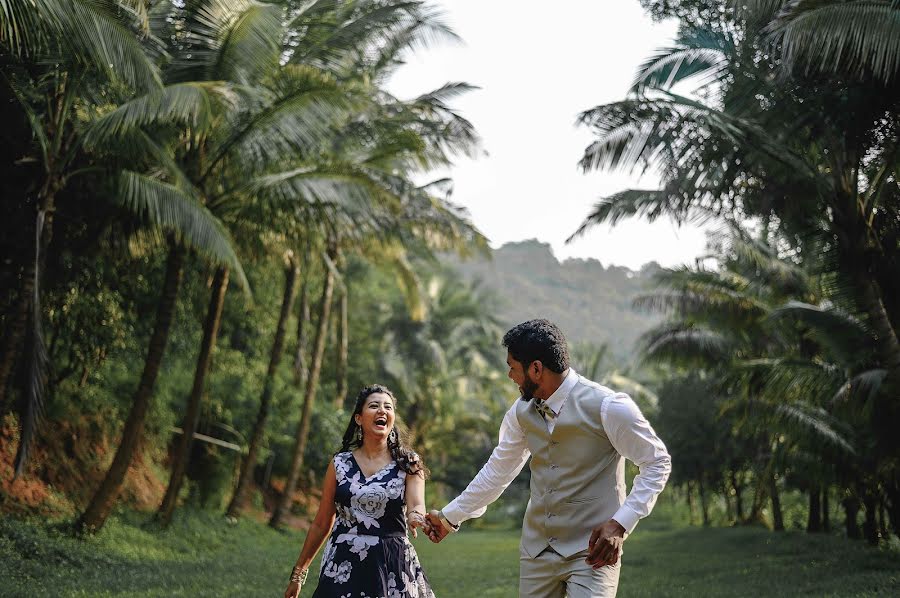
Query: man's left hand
605,544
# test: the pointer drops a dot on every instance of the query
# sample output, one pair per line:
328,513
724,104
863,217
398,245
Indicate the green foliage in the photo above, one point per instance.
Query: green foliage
790,129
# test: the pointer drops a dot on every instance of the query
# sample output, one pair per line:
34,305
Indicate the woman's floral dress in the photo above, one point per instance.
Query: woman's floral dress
368,554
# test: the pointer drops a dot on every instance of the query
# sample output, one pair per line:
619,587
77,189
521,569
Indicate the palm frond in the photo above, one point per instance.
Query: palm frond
646,203
341,188
173,209
757,11
227,40
251,45
708,305
861,388
101,34
701,54
817,424
860,38
302,112
763,263
680,343
182,104
410,283
782,379
842,335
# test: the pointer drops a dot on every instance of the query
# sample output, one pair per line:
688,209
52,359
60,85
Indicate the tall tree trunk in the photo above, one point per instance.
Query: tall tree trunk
103,501
300,363
32,400
692,509
760,493
239,500
343,348
738,496
704,503
826,510
814,521
312,382
774,495
729,508
886,341
192,415
851,511
893,495
870,525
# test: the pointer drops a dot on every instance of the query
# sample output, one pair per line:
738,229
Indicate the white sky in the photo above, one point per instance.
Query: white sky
538,66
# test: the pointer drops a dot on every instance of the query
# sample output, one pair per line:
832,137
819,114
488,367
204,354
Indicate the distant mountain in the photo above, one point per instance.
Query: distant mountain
591,303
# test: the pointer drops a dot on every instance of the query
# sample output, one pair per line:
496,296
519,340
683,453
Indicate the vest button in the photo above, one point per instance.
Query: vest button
554,466
549,514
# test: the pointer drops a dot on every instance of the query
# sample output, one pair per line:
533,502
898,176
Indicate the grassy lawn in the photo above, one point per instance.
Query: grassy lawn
204,556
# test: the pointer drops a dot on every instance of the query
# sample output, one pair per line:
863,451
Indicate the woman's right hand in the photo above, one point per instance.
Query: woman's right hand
415,520
293,590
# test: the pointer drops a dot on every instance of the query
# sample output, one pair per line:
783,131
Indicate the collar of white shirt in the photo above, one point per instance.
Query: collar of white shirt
559,396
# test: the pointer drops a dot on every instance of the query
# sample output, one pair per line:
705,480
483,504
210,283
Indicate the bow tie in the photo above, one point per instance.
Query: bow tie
544,409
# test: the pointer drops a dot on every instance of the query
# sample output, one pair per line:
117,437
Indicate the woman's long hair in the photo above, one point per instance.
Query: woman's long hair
407,459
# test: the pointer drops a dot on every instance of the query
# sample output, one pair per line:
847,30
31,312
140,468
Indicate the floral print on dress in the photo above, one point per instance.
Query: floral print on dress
368,554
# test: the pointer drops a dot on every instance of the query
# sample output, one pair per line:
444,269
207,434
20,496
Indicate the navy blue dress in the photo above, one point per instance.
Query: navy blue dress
368,554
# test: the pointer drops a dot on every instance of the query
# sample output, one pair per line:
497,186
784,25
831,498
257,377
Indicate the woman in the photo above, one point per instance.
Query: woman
374,490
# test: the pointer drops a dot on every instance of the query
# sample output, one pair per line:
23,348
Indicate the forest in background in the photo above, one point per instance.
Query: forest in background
213,224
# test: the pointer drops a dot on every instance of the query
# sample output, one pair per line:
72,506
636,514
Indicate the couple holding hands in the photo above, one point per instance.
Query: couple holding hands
577,434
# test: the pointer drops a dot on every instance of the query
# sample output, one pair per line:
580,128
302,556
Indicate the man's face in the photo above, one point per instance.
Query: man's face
518,374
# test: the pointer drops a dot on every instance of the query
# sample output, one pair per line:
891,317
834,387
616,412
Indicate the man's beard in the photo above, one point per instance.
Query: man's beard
528,387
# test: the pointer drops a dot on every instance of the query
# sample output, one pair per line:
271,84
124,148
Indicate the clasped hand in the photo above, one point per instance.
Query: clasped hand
414,520
436,531
605,544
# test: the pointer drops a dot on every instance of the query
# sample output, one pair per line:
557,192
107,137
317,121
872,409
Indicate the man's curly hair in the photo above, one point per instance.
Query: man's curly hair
538,340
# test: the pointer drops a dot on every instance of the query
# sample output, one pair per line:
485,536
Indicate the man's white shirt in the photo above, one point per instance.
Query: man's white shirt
628,431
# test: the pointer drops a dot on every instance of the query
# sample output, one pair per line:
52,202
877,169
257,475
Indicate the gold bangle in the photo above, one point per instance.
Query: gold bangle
299,575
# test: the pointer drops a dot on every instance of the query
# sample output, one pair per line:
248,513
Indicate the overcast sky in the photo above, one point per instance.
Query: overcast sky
538,66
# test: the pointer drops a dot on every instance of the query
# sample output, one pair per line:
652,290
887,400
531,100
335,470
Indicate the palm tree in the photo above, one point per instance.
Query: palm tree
814,155
58,52
237,110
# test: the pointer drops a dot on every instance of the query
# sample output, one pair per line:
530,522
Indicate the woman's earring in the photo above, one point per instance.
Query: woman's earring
393,435
358,434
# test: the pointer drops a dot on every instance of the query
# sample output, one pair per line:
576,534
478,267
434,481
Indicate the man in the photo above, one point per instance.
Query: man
577,434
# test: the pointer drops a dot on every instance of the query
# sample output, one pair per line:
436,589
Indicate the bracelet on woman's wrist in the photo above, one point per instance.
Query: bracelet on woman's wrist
298,575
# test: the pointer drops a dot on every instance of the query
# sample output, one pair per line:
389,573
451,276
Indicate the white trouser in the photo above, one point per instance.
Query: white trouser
550,575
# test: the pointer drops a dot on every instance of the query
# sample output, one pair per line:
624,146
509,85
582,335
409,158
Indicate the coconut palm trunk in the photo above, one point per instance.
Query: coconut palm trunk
814,521
102,503
192,415
775,496
312,382
343,343
239,500
738,496
302,325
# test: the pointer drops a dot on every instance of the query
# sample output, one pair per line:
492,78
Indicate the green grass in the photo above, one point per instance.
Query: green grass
202,555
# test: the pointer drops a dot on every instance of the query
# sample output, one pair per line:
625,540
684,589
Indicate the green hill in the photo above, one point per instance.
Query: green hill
590,302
